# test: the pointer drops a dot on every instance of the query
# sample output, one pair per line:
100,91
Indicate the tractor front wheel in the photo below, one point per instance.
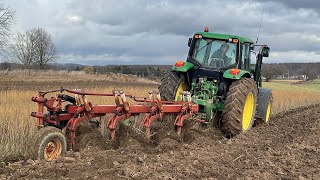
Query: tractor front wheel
48,143
240,107
268,110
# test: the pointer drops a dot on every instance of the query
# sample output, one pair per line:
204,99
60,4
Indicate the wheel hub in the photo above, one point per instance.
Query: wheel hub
52,150
247,112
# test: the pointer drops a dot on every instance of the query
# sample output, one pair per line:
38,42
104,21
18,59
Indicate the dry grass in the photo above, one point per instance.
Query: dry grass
16,125
66,76
288,95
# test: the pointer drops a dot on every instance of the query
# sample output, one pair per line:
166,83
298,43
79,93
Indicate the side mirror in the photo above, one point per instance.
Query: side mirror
265,51
189,42
252,48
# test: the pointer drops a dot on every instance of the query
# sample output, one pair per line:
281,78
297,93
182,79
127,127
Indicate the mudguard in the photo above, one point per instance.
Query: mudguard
242,73
186,67
263,99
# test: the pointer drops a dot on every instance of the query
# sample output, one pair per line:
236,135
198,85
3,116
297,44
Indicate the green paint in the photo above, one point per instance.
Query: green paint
186,67
224,37
242,73
204,93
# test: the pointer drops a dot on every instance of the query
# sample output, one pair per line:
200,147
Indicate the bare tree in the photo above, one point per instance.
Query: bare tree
34,47
45,49
270,71
6,19
23,49
310,72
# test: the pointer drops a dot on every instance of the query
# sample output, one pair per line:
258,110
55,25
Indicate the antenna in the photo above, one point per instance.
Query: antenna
260,25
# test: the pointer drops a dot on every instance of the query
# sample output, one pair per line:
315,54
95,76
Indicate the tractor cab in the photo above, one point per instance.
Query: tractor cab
217,51
212,52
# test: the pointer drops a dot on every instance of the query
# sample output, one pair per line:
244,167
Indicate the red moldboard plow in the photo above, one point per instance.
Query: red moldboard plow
78,109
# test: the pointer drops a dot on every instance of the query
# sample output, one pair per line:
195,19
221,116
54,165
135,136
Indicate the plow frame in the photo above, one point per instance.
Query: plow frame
80,110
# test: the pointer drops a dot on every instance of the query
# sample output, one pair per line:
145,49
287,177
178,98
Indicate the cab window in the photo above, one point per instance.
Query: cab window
245,56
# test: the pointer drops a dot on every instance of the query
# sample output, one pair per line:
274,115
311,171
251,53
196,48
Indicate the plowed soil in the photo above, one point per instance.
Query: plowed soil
287,148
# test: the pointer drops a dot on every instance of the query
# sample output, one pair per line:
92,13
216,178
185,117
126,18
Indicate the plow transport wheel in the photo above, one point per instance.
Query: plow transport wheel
48,143
240,107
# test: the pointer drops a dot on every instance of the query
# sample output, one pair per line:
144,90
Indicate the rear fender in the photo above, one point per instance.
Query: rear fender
263,99
186,67
242,73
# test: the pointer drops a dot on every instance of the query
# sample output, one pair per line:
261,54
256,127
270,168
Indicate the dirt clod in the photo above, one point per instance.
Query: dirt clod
116,163
68,159
16,165
30,161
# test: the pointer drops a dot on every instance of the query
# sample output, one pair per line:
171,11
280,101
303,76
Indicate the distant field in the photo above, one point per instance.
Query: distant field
17,126
291,94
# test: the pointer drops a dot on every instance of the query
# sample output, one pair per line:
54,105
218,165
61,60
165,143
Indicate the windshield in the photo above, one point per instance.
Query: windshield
214,53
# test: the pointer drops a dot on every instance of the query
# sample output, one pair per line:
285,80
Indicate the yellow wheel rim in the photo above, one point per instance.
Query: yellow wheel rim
247,112
268,111
52,150
182,87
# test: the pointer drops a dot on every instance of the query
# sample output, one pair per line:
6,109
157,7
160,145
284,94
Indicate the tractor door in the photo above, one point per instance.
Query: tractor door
245,56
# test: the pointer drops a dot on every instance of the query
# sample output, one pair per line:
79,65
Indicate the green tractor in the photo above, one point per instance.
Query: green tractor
222,81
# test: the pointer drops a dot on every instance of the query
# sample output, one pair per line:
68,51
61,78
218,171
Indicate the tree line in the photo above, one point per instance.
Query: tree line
303,71
139,70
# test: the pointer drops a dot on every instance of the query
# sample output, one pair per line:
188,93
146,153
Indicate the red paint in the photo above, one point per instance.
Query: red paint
234,72
154,109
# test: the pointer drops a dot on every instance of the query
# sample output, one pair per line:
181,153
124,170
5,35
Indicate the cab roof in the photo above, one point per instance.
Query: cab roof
224,36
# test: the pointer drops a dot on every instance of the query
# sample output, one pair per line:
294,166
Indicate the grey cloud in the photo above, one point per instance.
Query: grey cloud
156,31
165,16
308,4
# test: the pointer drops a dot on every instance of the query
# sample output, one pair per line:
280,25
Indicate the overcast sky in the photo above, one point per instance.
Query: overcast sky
100,32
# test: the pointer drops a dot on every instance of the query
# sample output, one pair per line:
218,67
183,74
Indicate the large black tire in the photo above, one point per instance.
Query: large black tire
170,84
47,143
233,121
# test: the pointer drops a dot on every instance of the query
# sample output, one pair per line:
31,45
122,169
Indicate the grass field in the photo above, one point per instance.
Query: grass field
17,126
288,95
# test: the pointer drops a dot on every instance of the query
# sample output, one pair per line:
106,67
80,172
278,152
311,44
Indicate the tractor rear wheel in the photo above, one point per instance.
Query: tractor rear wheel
172,84
240,107
48,143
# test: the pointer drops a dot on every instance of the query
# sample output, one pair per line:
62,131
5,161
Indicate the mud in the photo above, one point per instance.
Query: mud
287,148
